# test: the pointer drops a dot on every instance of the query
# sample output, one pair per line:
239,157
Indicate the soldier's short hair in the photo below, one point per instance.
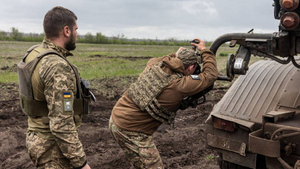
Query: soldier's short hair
56,19
187,56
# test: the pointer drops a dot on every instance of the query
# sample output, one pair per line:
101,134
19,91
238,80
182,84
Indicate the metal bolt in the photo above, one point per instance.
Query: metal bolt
288,149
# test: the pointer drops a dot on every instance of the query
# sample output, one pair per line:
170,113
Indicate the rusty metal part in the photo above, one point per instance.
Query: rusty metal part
236,36
296,133
257,144
227,144
229,66
289,5
290,20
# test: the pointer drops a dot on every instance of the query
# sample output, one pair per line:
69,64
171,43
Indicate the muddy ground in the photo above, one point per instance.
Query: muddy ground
181,146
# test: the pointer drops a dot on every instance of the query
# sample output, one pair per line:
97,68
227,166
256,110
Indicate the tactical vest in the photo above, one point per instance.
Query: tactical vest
148,87
33,107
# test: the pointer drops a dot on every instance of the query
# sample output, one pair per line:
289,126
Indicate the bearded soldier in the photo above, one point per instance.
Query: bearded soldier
154,99
52,97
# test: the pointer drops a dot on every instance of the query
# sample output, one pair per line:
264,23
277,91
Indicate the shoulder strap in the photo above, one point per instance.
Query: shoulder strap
29,50
51,51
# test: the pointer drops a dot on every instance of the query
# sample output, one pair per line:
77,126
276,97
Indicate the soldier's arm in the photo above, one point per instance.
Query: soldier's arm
59,80
189,86
209,70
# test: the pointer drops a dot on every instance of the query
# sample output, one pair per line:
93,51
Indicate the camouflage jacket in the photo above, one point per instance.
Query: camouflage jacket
128,116
51,78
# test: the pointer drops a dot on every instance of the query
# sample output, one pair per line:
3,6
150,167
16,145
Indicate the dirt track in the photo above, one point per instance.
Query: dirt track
181,146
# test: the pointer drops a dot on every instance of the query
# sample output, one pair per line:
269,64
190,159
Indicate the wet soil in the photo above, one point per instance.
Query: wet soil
181,145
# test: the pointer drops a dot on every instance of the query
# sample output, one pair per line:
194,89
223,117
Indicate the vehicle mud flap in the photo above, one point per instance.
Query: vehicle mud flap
262,146
226,144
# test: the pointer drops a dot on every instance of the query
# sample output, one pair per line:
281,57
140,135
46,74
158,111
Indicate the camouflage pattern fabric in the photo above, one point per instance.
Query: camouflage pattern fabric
148,86
187,56
58,140
45,153
139,148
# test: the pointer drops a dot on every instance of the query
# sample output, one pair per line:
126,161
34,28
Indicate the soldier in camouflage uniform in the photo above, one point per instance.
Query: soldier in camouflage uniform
154,99
51,96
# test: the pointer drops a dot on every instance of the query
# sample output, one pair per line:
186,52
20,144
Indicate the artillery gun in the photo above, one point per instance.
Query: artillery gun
257,122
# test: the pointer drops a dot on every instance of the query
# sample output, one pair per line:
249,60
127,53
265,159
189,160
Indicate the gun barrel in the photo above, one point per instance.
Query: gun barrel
235,36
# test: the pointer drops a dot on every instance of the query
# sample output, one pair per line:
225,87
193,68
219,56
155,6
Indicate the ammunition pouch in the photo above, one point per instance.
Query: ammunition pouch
35,108
86,102
87,95
39,108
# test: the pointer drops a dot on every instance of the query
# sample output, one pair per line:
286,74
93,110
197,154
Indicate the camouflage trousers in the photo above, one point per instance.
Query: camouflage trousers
139,148
45,153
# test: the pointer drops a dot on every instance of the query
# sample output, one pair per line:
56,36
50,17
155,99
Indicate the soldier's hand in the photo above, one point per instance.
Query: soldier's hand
86,166
200,46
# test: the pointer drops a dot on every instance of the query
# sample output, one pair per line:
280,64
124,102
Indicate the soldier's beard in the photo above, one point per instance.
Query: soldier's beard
71,45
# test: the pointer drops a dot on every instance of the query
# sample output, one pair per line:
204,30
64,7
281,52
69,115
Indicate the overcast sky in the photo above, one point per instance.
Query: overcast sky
150,19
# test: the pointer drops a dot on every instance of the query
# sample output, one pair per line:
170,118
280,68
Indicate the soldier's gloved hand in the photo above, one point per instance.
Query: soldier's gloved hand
200,46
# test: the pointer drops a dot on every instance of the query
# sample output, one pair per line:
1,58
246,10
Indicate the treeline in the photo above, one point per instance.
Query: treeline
99,38
15,35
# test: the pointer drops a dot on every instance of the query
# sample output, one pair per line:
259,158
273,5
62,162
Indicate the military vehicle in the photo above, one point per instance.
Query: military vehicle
257,122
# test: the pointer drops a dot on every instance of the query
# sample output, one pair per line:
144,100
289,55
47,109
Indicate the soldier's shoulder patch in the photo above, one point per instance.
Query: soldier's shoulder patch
68,101
195,77
67,95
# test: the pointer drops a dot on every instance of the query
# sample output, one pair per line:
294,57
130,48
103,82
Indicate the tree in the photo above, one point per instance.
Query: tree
101,38
89,38
15,34
3,35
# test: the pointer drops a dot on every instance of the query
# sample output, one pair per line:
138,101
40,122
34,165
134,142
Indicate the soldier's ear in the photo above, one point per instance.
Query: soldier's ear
66,31
190,70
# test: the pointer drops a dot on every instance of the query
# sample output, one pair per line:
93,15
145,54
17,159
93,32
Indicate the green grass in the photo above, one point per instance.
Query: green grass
111,60
123,50
110,67
8,77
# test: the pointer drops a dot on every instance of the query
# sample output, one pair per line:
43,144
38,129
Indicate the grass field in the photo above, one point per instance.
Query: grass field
99,60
